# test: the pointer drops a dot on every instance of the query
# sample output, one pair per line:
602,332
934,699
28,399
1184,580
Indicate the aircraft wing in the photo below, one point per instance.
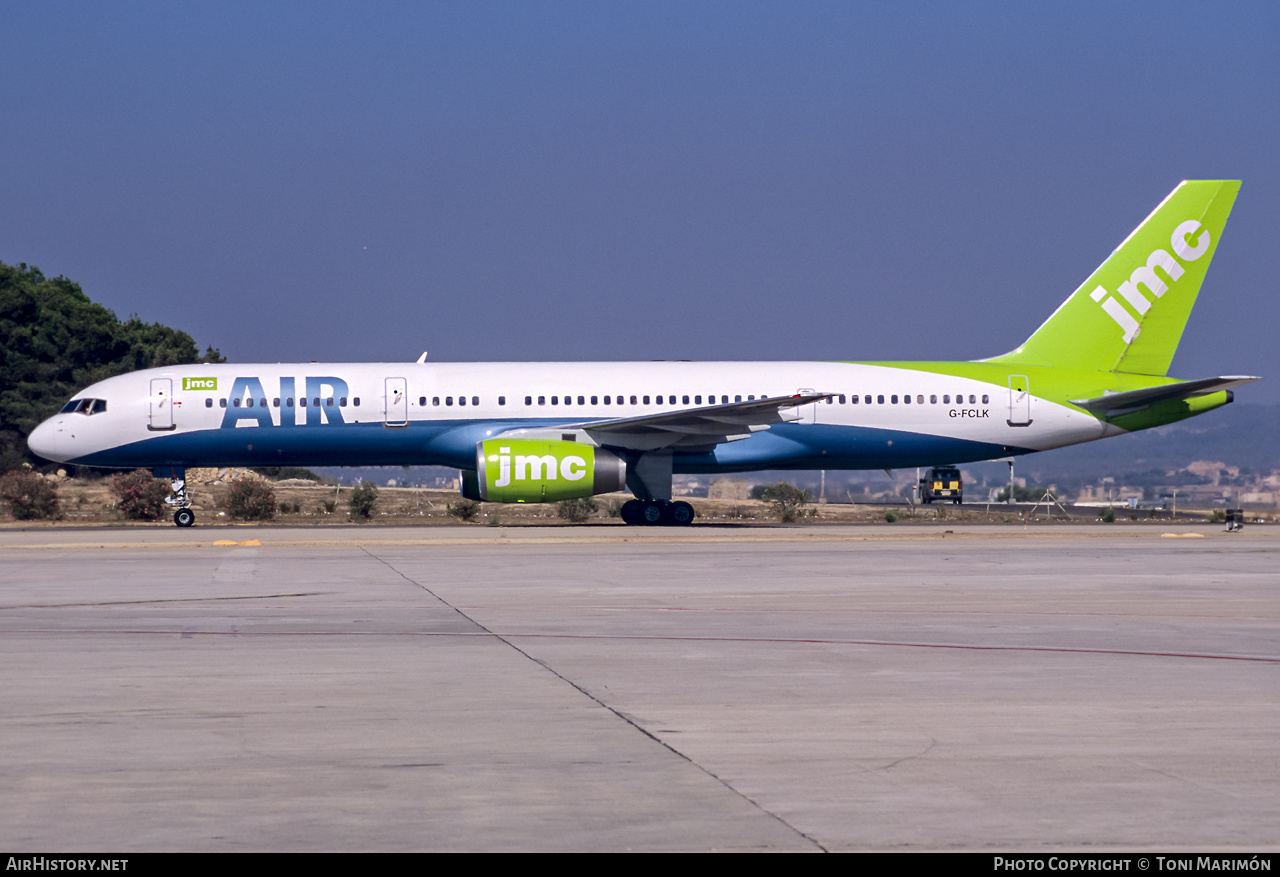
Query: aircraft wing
1112,404
691,428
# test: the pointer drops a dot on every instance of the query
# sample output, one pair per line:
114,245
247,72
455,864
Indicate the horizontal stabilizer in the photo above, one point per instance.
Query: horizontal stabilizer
1132,400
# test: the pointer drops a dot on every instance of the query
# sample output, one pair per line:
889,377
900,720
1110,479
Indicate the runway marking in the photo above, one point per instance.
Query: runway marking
507,637
161,601
342,536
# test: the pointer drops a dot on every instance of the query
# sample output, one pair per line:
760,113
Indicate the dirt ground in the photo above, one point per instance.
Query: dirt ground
90,502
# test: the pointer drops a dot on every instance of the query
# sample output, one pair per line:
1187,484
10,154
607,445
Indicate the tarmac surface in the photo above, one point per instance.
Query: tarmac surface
879,687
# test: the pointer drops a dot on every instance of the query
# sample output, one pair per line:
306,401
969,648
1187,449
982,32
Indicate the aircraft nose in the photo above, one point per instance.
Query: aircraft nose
43,441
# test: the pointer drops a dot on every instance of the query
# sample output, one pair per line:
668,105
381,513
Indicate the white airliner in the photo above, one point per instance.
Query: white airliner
537,432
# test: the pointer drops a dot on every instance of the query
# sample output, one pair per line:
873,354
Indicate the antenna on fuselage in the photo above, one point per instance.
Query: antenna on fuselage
423,358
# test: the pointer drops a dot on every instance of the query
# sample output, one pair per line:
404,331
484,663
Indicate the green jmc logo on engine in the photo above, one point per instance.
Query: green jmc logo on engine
534,470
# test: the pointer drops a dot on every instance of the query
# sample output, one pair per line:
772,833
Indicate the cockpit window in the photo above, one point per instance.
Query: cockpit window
84,406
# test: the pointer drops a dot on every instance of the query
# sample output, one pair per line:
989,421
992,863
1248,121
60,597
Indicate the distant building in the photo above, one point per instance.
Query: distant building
729,488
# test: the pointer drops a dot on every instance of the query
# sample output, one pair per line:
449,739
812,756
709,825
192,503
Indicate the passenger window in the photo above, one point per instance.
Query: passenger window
542,400
879,400
528,400
985,399
697,400
288,403
606,400
315,403
659,400
329,402
502,400
422,401
867,400
906,400
893,400
646,400
475,400
672,399
842,399
222,403
435,400
972,400
633,400
235,402
854,400
208,403
275,403
448,400
555,400
355,402
595,400
462,400
933,400
919,400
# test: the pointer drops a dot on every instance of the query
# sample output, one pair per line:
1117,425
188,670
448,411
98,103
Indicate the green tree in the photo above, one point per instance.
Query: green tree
364,501
1025,494
577,510
55,341
139,497
251,500
29,496
786,501
465,510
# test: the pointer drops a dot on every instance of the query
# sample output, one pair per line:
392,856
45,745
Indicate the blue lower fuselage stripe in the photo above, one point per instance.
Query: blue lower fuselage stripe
452,443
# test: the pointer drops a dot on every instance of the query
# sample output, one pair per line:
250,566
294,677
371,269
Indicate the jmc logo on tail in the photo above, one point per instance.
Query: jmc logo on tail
1145,276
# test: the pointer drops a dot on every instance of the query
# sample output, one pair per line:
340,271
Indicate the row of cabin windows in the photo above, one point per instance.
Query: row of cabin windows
919,399
595,400
462,400
638,400
288,403
98,405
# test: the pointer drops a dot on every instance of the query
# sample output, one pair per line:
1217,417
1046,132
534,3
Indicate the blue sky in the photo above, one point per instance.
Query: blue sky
533,181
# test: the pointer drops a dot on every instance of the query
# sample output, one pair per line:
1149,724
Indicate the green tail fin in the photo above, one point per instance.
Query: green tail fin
1129,315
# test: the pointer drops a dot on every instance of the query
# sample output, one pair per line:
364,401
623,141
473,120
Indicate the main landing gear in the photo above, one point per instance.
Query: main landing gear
657,512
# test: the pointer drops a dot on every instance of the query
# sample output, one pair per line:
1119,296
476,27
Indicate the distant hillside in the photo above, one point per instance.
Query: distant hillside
1238,434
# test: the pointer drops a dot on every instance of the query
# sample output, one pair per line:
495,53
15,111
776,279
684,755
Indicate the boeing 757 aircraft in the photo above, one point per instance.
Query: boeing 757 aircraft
542,432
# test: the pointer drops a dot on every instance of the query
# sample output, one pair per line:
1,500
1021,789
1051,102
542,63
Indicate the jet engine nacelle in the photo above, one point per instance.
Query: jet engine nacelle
545,470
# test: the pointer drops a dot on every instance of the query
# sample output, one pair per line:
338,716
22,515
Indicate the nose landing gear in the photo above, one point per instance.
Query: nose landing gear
183,517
